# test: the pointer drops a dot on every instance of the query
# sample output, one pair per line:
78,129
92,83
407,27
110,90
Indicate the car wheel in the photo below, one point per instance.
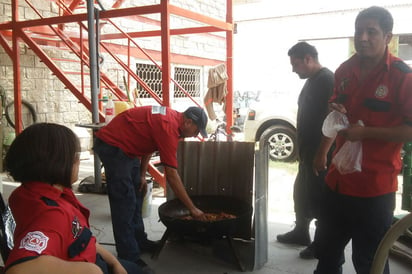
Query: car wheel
282,143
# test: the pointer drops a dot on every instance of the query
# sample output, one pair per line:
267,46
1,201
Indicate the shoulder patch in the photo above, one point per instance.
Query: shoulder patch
159,110
34,241
402,66
49,202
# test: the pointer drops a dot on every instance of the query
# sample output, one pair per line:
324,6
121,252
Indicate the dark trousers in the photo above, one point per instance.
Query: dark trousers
130,267
123,182
307,192
343,218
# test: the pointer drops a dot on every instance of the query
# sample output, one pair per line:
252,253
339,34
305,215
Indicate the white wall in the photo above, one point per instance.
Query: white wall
266,30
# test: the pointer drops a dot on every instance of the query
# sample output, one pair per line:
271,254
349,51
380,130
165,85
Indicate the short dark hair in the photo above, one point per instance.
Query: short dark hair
43,152
301,49
382,15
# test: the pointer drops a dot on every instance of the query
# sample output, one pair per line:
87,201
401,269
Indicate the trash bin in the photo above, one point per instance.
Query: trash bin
147,201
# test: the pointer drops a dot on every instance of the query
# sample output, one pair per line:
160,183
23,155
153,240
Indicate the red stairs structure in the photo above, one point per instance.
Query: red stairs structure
59,33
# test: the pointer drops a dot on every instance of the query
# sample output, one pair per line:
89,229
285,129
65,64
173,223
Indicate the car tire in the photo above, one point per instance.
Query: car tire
282,143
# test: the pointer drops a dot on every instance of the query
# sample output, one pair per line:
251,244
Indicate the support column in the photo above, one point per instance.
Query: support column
94,85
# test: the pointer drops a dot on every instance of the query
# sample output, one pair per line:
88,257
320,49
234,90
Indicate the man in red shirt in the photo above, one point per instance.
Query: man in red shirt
375,87
125,146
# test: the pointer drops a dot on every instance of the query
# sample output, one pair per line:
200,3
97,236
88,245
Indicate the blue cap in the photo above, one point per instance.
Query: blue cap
199,117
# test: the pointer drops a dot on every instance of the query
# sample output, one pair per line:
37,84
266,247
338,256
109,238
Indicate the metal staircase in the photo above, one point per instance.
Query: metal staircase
67,33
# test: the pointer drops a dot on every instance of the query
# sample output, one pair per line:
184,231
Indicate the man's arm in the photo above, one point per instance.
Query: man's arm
179,190
321,157
144,164
401,134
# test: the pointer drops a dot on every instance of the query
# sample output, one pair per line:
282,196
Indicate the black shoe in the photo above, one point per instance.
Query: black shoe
144,267
148,246
308,253
294,237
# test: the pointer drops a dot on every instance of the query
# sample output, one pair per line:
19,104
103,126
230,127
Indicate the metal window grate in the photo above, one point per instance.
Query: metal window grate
152,76
187,78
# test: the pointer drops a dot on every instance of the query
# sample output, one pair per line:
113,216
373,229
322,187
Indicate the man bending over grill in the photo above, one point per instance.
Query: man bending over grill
125,146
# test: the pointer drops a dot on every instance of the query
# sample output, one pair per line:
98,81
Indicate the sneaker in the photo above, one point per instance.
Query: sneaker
294,237
144,267
308,253
148,246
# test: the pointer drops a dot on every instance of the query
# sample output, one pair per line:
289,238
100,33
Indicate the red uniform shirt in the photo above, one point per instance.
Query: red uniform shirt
144,130
50,222
384,99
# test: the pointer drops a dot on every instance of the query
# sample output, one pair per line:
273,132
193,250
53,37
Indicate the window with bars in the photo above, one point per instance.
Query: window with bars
187,78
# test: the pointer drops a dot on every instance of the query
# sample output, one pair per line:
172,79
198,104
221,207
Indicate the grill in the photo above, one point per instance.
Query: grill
171,214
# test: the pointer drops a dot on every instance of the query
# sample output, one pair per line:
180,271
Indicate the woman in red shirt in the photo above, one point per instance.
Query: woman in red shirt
52,233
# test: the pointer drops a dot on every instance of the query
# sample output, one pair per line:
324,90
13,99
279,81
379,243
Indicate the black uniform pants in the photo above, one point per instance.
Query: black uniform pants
343,218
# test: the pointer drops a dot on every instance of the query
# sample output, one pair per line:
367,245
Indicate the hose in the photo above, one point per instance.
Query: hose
27,105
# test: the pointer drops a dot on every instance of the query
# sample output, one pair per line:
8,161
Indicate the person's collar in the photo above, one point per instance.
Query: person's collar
316,72
387,59
44,189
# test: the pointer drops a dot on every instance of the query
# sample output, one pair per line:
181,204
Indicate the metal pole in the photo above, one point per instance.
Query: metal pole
229,67
16,68
165,39
407,177
93,60
94,85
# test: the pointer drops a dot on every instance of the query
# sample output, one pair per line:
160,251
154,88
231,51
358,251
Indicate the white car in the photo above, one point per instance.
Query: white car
274,122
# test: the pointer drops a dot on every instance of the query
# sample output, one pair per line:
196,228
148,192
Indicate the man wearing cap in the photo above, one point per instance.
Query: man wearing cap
125,146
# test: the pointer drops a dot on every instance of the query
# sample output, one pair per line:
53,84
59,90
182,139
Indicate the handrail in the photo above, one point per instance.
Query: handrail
130,39
118,60
81,52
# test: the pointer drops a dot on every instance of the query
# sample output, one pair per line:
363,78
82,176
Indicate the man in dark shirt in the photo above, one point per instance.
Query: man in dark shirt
312,110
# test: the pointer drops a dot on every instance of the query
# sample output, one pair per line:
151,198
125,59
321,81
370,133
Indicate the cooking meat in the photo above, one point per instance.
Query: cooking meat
213,217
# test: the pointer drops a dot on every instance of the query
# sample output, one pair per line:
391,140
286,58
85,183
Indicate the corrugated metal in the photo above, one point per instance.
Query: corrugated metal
217,168
261,242
232,169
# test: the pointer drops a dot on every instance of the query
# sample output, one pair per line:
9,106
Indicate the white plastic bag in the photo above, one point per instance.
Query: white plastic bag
349,157
334,122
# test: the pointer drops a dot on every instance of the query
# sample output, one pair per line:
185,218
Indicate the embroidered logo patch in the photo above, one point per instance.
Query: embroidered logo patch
381,91
34,241
76,227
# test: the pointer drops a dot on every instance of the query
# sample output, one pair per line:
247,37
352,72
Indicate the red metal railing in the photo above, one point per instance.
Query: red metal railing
29,32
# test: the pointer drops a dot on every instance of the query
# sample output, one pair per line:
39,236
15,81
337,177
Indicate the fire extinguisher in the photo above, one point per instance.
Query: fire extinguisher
109,112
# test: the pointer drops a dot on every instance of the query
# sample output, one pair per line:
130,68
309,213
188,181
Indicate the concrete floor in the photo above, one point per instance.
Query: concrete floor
189,257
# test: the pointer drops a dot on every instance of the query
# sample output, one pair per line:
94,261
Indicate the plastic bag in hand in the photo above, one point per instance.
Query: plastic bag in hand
349,157
334,122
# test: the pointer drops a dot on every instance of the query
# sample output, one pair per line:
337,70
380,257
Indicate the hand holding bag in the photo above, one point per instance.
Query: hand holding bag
349,157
